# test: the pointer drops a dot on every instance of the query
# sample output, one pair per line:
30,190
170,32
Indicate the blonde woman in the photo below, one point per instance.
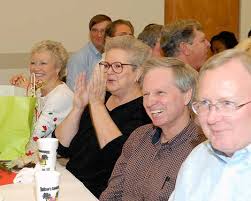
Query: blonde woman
48,64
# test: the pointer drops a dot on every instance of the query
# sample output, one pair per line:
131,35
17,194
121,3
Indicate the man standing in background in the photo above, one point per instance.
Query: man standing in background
85,59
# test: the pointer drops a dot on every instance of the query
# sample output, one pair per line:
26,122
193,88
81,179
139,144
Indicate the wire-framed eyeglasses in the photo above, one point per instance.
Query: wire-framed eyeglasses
225,107
117,67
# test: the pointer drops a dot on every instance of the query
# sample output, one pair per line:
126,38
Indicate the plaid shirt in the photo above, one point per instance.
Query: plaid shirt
147,169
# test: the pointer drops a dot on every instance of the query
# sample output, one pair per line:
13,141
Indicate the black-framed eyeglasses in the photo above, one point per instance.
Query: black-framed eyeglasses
225,107
117,67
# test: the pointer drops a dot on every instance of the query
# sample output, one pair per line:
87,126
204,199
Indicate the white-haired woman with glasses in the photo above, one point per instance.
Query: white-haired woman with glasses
92,137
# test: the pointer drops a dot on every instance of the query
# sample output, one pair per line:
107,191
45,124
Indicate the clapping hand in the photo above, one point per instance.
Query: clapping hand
97,86
80,100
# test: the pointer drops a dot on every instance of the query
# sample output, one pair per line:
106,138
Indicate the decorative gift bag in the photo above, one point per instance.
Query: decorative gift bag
16,119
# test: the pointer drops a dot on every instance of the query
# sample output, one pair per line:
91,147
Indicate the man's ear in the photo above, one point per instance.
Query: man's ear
184,48
188,96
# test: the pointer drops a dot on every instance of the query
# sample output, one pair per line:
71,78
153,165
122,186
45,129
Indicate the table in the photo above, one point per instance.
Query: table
71,189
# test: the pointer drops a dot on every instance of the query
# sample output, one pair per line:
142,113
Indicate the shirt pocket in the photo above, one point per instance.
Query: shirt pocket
167,188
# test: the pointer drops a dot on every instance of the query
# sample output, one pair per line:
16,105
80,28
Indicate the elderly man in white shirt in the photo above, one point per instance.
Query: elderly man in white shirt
220,168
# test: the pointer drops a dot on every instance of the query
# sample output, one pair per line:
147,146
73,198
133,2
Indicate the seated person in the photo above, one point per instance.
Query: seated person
119,27
222,41
153,154
220,168
48,64
99,123
151,36
185,40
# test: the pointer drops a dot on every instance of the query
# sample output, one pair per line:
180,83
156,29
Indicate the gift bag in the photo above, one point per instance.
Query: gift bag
16,119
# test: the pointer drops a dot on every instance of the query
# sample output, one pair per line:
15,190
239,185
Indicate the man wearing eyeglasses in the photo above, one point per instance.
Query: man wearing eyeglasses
87,57
220,168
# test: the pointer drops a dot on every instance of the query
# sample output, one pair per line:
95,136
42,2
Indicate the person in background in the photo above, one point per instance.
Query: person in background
249,33
244,45
119,27
151,36
48,64
87,57
222,41
220,168
99,123
153,154
185,40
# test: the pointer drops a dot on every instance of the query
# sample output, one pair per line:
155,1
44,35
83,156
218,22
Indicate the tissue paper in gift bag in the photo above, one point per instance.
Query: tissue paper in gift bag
10,90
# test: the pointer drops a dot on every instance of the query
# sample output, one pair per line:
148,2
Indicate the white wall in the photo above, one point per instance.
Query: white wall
6,74
25,22
29,21
245,18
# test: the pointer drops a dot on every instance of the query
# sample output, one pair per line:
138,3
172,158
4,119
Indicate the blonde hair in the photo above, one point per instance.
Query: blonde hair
226,56
57,51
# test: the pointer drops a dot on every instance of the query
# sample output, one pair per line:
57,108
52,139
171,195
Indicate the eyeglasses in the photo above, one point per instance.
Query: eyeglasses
224,107
117,67
96,31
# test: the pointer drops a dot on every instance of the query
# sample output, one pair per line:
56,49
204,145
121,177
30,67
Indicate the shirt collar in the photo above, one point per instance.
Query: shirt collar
156,135
179,138
238,155
93,48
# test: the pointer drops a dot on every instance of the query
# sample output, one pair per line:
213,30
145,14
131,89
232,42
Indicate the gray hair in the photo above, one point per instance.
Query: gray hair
175,33
185,75
137,51
226,56
151,34
57,51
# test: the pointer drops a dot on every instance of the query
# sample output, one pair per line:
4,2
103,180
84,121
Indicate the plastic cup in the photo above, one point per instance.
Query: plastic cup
47,149
47,185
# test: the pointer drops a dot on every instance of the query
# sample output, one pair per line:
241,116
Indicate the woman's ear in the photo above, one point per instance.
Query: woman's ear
138,74
58,70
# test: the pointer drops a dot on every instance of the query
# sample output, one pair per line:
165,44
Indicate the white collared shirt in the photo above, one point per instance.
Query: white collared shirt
208,175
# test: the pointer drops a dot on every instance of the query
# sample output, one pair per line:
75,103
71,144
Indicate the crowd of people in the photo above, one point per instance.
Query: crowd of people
148,117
